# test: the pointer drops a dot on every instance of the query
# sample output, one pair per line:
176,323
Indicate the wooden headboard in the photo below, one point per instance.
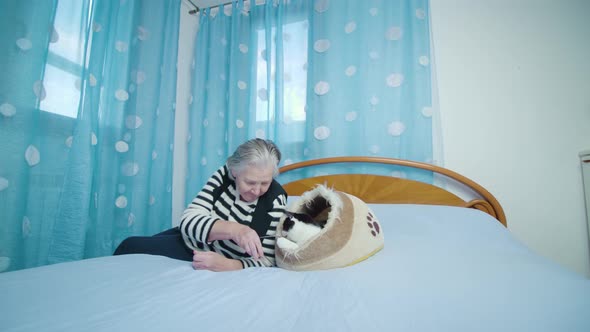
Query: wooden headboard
388,189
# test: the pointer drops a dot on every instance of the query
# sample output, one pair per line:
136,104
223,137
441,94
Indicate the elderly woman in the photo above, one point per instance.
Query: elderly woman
231,222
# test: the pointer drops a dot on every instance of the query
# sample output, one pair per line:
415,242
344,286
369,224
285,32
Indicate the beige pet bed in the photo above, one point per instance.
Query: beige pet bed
352,232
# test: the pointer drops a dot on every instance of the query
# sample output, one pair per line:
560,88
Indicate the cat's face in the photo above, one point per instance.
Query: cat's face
293,217
299,227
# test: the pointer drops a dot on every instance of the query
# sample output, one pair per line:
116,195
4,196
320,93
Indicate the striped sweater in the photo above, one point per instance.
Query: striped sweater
200,215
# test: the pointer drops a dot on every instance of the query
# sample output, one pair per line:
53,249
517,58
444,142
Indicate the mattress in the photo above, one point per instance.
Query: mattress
441,269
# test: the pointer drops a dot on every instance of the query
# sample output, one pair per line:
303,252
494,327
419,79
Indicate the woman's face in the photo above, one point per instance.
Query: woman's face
253,181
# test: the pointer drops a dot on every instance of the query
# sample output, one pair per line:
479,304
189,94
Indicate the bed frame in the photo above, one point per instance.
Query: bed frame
387,189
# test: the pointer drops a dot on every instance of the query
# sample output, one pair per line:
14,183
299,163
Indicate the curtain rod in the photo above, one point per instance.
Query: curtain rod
197,9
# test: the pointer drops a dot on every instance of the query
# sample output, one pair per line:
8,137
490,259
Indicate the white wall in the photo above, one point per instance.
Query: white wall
514,92
188,30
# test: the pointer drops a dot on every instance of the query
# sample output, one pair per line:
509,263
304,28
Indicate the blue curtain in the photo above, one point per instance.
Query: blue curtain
321,78
87,98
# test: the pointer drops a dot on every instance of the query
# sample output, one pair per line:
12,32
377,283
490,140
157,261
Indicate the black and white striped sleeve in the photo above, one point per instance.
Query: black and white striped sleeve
197,219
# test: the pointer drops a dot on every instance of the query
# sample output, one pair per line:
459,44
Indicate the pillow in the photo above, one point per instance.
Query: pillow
352,232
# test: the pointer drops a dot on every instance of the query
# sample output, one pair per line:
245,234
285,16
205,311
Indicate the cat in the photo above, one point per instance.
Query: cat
297,229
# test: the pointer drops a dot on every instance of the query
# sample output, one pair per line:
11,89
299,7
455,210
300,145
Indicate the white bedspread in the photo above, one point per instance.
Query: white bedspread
442,269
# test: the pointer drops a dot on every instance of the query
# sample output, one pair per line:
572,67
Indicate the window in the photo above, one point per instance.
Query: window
294,81
65,58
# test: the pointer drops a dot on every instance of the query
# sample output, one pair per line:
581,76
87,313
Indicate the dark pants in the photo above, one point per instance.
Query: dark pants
168,243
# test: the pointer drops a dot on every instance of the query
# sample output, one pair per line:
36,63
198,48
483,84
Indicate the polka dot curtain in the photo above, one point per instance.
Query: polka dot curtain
321,78
87,98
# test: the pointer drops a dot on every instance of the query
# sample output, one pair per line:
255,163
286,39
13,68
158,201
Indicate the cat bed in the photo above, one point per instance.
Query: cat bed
351,233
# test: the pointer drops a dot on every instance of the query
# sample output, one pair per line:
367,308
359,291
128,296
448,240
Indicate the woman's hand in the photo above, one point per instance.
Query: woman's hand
247,239
242,235
212,261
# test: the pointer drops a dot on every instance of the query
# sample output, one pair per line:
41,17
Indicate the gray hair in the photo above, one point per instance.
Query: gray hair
254,152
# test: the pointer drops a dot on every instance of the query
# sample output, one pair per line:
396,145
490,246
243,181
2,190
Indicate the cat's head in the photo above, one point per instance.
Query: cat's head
293,217
300,226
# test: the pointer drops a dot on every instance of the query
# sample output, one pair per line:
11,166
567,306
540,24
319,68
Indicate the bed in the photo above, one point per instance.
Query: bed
448,264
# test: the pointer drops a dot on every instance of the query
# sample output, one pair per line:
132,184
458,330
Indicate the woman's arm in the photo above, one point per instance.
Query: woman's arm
212,261
223,230
277,211
197,219
199,225
244,236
